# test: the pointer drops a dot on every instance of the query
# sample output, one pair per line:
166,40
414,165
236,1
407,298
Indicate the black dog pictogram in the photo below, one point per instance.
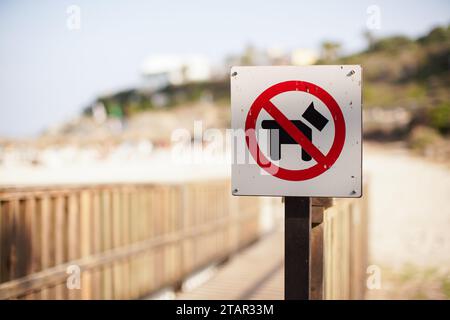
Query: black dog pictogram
313,116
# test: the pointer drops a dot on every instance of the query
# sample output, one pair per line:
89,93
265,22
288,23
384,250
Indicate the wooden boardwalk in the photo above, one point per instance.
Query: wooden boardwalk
132,241
124,241
255,273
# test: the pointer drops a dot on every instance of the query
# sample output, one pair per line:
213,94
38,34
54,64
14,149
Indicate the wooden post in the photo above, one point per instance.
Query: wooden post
297,252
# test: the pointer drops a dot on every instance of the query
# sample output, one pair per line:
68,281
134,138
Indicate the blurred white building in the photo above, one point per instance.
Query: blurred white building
303,57
163,70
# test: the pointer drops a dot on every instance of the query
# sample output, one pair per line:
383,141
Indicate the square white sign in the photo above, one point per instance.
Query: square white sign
297,131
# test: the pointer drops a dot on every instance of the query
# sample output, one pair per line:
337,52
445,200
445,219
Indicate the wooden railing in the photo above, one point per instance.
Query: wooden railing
127,240
339,248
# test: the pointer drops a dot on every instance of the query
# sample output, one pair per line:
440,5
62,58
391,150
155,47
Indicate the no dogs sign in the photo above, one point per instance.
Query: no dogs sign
296,131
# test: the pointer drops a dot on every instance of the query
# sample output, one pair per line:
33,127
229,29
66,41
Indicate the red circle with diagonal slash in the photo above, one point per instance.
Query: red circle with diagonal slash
324,162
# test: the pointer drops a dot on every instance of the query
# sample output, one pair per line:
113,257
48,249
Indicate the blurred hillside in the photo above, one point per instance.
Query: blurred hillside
406,78
406,91
406,96
412,74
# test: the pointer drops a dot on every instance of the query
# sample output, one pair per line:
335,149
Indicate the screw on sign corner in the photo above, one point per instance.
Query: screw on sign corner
235,191
234,74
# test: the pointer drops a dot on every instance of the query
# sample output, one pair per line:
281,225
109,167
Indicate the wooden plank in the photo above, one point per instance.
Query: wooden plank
45,240
170,229
317,263
60,223
354,253
24,252
6,239
179,227
129,222
148,235
116,242
85,241
328,275
73,236
96,243
144,278
346,282
35,215
107,279
35,206
363,227
52,290
183,216
124,264
16,233
141,217
30,220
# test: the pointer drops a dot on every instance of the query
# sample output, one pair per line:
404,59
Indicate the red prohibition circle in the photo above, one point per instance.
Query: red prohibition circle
324,162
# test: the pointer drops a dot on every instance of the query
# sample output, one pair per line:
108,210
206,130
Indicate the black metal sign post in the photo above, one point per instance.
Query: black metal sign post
297,252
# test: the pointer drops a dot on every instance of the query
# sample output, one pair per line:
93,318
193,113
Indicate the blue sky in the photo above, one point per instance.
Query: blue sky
48,73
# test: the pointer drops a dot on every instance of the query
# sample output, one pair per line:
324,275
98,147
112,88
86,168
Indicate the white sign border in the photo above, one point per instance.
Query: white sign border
258,74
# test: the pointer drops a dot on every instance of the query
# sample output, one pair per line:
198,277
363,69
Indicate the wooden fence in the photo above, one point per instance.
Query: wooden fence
127,241
339,248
